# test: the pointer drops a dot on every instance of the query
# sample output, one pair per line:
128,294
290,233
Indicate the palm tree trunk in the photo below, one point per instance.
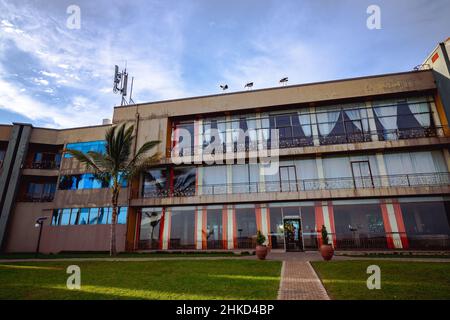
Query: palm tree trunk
113,249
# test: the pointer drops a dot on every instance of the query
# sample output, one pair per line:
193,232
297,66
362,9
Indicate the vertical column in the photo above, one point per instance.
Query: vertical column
325,216
198,228
265,222
199,181
262,179
166,229
231,224
436,119
393,225
384,179
371,118
225,227
229,178
315,129
204,228
447,158
320,172
198,141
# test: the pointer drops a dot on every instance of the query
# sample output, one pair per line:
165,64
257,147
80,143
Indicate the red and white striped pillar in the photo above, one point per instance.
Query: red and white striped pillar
394,225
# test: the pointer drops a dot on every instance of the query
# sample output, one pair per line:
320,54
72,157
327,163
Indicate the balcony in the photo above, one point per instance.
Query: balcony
33,197
43,165
335,138
345,183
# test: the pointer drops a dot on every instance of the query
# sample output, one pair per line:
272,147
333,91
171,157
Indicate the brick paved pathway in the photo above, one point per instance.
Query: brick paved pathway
300,282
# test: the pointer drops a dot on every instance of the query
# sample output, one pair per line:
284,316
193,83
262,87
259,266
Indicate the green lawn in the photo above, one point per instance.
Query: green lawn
157,254
170,279
399,280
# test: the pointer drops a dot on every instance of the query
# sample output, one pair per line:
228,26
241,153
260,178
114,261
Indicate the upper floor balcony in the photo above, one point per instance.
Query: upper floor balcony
43,157
385,120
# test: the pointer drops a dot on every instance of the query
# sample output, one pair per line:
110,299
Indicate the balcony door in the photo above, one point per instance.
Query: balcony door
288,179
362,174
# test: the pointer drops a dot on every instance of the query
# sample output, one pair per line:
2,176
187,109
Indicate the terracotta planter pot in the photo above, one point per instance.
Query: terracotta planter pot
261,252
327,251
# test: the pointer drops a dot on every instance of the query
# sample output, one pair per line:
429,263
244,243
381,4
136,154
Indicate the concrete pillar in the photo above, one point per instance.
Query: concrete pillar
198,141
199,180
371,118
11,173
229,178
314,127
199,228
436,119
166,229
384,180
447,158
265,221
394,225
320,170
231,232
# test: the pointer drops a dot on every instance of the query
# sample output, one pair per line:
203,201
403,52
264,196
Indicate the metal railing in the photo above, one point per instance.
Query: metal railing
317,140
45,197
46,165
369,182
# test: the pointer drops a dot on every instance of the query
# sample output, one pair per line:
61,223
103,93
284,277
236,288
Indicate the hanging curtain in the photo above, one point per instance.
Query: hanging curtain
387,115
359,119
420,110
235,128
251,127
207,132
327,121
305,122
221,127
265,123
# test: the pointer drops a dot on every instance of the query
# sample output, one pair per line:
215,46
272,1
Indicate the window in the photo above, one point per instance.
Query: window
84,216
149,228
245,226
182,227
85,181
214,228
359,226
245,178
183,131
97,146
155,183
184,181
214,179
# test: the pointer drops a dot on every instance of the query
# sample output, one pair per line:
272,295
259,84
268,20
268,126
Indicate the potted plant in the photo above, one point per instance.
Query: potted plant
261,248
326,249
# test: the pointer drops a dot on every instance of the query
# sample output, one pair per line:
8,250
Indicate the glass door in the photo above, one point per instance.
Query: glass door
293,234
288,178
362,175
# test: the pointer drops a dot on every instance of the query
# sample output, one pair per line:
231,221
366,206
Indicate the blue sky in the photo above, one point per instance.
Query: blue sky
53,76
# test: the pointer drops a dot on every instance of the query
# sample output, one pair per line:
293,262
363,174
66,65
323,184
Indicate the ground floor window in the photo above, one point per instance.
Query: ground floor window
214,227
149,232
246,229
359,226
182,228
427,224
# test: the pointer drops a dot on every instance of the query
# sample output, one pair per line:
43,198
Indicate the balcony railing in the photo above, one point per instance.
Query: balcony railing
316,140
45,165
370,182
45,197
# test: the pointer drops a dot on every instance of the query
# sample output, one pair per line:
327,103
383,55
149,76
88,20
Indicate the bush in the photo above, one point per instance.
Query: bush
324,235
260,238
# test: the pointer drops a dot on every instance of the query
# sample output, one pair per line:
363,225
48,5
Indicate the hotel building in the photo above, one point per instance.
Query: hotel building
366,157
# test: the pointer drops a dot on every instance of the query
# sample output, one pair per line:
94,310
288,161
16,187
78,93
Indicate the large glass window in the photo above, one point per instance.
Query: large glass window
150,228
155,183
214,179
182,228
403,118
214,227
65,217
427,224
359,226
245,178
184,181
245,226
104,215
97,146
181,131
84,216
84,181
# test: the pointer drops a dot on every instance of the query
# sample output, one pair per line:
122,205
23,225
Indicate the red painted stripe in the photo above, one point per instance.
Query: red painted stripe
225,227
268,225
234,228
387,225
400,224
195,227
331,217
138,229
204,229
435,57
319,221
258,218
161,228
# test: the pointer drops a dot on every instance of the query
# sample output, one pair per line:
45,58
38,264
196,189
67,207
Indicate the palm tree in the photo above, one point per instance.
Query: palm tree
117,165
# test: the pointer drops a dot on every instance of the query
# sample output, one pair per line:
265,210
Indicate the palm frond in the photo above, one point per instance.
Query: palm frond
84,159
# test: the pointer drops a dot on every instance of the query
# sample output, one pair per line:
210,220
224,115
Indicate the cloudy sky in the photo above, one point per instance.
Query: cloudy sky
54,76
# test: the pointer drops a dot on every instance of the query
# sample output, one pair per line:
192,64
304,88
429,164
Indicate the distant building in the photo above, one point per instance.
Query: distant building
366,157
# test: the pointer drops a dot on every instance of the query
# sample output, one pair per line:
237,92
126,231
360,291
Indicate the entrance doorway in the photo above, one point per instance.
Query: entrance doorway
293,234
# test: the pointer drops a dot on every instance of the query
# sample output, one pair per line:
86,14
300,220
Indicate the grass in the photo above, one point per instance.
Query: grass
399,280
400,255
169,279
82,255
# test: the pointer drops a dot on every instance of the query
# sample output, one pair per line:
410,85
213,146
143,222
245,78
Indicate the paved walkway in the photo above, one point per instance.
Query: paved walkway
299,281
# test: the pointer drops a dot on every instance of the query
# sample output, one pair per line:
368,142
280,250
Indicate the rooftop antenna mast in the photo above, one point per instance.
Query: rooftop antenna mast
120,85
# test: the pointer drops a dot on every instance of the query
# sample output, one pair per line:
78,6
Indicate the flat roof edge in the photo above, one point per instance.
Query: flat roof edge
272,88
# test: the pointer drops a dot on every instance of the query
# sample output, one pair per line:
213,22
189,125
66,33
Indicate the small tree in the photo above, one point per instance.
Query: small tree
324,235
260,238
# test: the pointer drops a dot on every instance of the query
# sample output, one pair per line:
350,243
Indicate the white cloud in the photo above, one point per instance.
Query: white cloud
41,81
